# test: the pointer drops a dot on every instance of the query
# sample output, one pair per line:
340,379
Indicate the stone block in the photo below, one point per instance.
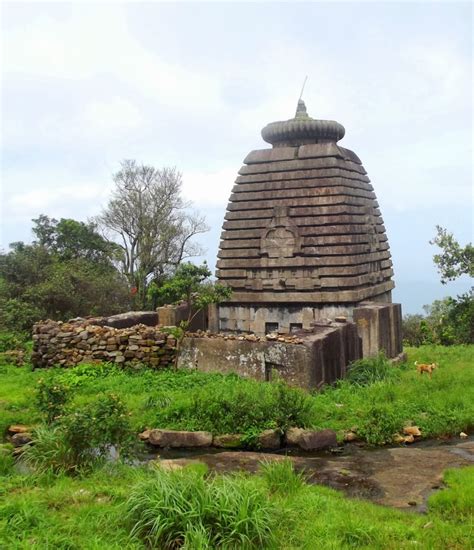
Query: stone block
317,440
269,439
179,439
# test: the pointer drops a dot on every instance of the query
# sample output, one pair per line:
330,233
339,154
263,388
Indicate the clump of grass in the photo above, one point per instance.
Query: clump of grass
83,437
456,502
234,405
280,476
6,460
182,509
371,369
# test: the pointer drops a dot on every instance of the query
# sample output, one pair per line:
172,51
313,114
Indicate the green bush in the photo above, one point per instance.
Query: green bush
52,397
371,369
280,476
234,405
181,509
379,424
83,437
13,341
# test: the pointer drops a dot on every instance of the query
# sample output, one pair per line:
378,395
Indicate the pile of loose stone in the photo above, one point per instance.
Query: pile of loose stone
66,344
272,337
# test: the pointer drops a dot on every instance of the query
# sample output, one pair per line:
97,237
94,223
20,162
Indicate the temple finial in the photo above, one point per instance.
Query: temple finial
301,107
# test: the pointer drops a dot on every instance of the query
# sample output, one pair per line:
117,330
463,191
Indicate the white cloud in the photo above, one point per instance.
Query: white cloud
95,41
209,188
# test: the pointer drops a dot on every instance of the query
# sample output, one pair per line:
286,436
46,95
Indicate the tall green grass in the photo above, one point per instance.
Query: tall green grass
181,509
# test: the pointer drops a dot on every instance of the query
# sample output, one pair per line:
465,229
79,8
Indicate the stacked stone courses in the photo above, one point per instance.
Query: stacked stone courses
316,206
67,344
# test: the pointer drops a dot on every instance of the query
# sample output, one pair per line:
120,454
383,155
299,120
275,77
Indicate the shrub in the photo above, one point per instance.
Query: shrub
280,476
84,437
180,509
51,397
371,369
379,424
13,341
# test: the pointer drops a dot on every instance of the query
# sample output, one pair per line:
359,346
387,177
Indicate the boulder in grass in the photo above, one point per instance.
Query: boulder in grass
293,436
317,440
412,430
269,439
178,439
20,439
19,429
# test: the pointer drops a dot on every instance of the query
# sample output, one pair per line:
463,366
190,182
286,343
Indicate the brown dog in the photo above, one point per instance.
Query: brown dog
425,367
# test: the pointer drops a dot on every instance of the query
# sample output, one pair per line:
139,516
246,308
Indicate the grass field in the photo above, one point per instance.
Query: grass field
92,512
443,405
120,506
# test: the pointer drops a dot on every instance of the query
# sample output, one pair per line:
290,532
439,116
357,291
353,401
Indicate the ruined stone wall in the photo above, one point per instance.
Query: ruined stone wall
308,360
67,344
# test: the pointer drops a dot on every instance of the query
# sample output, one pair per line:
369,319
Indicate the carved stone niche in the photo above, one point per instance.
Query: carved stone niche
281,238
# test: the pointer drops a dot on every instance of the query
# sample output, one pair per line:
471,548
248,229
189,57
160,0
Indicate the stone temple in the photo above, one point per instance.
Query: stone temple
303,239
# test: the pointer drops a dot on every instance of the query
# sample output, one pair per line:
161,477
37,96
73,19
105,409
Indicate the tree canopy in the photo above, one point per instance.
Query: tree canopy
59,276
454,260
151,223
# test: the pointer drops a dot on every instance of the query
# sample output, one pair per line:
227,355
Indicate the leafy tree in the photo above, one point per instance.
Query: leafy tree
191,284
152,224
58,277
454,259
69,239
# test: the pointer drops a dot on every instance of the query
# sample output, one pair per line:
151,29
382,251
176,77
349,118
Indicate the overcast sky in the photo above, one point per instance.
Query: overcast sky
85,85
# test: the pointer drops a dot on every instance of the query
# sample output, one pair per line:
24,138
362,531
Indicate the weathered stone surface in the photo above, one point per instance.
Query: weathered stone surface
104,343
308,360
177,439
269,439
303,227
317,440
132,318
227,441
20,439
293,436
19,429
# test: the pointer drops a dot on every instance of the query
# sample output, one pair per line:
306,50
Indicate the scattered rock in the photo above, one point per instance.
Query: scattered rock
19,429
269,439
412,430
397,438
21,439
177,439
293,436
409,439
317,440
350,436
145,435
227,441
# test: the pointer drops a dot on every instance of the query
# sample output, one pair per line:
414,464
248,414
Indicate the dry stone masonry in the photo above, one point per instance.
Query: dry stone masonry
67,344
303,238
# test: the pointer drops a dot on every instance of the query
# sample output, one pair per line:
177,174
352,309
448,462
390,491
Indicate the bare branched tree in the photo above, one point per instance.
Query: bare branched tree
151,222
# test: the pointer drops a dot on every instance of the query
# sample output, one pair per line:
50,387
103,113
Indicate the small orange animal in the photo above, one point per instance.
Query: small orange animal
425,367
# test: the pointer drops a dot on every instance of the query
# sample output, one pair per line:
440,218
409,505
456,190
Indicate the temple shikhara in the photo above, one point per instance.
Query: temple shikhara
303,239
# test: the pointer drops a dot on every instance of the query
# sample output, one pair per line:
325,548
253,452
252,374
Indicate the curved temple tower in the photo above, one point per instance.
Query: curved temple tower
303,239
